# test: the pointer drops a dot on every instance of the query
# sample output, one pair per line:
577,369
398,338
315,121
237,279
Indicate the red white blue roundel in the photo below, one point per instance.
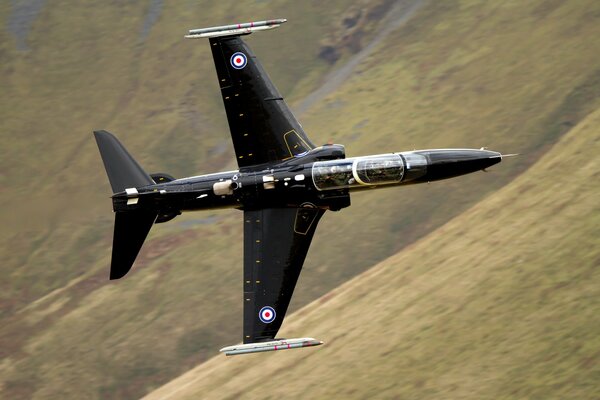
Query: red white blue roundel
238,60
266,314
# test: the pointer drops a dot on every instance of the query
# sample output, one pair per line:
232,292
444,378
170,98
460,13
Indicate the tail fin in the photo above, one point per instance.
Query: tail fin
122,170
131,227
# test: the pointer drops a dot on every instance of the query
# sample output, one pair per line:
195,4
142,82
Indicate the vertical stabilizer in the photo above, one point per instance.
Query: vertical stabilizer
122,170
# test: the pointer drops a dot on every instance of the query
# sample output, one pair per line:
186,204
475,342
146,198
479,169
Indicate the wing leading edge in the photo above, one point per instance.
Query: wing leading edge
263,129
276,241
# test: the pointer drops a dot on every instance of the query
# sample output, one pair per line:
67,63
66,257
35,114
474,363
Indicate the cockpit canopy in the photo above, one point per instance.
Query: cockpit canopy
381,169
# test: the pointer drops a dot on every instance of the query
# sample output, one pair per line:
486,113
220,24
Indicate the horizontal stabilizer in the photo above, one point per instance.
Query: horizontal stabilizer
235,29
283,344
131,229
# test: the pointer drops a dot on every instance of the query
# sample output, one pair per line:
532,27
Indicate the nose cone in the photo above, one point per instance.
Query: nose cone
448,163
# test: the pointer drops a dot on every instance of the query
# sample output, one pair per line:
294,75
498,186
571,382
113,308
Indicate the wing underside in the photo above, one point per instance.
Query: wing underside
276,241
263,129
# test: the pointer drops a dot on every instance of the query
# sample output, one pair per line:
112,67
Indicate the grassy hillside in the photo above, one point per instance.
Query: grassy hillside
501,302
90,69
513,77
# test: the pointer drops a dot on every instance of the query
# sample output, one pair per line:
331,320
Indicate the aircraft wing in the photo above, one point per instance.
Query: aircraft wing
263,128
276,241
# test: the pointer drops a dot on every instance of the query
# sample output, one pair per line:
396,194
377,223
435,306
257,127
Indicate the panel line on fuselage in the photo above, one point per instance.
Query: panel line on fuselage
189,178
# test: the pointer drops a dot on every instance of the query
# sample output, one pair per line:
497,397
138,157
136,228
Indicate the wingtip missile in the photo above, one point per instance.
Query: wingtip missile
234,29
259,347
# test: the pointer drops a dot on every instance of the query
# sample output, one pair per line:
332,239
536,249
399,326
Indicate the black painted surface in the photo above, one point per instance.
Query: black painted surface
263,128
276,241
274,186
131,229
122,169
448,163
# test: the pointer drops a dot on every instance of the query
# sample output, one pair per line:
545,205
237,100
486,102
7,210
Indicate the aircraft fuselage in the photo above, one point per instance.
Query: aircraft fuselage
322,178
284,185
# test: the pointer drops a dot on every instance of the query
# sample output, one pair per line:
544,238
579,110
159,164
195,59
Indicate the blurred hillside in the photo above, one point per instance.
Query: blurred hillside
512,76
494,304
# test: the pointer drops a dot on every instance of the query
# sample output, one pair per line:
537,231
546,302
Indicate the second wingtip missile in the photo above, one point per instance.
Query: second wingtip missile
259,347
235,29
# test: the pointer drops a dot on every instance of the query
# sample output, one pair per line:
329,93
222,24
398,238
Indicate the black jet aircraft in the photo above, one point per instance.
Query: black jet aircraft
284,185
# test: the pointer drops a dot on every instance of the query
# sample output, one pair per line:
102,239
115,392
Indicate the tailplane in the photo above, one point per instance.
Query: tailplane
131,229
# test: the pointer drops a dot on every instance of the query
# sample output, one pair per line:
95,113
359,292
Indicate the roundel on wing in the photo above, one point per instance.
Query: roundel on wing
266,314
238,60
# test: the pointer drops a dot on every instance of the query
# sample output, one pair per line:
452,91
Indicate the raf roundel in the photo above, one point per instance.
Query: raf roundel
266,314
238,60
